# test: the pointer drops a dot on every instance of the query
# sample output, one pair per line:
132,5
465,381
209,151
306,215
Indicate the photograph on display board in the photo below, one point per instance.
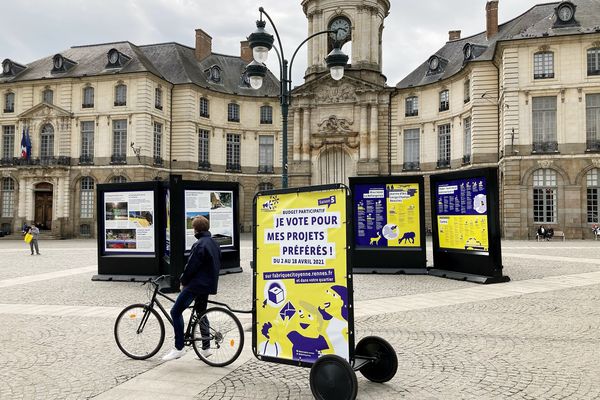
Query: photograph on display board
387,215
121,239
217,207
462,214
116,211
302,300
142,219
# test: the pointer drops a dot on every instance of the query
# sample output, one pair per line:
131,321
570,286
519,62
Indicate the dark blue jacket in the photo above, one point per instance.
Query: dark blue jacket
201,273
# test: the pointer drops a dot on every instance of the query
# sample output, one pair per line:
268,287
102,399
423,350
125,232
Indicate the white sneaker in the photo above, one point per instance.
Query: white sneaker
174,354
206,353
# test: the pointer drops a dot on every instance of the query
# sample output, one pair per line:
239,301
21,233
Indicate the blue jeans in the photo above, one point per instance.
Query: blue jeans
185,298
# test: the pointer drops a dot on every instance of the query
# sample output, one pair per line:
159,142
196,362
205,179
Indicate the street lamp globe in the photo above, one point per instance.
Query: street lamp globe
260,42
256,72
336,62
256,82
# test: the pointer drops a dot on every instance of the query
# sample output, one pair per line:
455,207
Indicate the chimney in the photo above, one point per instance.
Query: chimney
246,51
491,13
203,45
453,35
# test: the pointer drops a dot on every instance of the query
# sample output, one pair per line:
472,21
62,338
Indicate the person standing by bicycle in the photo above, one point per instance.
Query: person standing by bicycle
200,278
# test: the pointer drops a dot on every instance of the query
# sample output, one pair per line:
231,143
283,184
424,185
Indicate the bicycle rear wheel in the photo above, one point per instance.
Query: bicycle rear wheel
139,331
220,332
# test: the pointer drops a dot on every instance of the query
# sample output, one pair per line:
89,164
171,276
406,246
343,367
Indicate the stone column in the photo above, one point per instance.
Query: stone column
363,134
310,47
306,135
374,42
22,201
297,141
374,139
29,200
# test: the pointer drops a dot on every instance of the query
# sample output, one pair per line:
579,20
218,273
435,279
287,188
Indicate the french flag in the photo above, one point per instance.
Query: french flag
25,145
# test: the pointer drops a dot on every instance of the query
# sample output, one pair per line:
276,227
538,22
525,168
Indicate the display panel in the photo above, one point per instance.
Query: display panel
302,289
217,207
387,215
462,214
129,222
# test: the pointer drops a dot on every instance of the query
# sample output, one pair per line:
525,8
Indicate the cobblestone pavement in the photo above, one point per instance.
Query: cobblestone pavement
534,346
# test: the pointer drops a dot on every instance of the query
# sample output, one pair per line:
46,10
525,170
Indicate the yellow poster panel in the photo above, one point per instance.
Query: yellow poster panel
463,232
301,288
403,215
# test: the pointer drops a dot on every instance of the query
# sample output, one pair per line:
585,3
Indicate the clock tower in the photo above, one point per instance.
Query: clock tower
340,127
364,20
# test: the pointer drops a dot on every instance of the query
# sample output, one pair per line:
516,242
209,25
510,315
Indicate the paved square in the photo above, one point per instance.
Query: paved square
535,337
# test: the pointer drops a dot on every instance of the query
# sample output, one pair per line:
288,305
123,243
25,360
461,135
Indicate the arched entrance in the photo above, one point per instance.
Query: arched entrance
43,205
333,166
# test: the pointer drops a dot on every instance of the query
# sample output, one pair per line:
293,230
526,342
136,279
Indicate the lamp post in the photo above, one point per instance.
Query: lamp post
261,42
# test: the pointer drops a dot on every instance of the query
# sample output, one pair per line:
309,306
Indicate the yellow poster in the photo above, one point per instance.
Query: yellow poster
463,232
302,298
403,214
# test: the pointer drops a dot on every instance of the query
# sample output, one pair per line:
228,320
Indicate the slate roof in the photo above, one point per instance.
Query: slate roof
537,22
172,62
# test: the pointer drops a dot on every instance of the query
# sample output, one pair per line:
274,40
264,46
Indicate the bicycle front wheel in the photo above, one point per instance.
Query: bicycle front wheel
218,337
139,331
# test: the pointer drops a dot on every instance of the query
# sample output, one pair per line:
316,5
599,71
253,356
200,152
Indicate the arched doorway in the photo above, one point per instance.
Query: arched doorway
334,166
43,205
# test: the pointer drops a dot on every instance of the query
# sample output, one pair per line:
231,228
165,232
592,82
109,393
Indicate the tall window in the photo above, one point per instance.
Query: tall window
411,149
87,198
443,146
8,197
118,179
444,100
266,115
204,107
203,146
265,153
8,142
157,144
47,141
158,98
9,102
593,196
467,142
544,196
543,65
411,106
592,119
233,152
233,112
593,61
120,95
119,153
544,124
48,96
87,142
467,89
88,97
265,186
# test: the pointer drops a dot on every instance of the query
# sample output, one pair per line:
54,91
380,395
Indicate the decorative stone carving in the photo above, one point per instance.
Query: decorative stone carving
85,171
596,162
335,125
6,174
342,93
545,163
204,177
233,178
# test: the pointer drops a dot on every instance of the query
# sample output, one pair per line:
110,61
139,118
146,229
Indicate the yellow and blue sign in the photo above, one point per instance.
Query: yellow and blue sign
387,215
302,291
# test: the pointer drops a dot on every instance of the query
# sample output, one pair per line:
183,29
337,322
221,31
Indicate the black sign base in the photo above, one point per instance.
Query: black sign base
390,270
230,270
461,276
122,278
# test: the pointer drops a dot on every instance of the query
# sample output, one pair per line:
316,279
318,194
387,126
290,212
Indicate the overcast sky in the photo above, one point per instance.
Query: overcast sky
32,29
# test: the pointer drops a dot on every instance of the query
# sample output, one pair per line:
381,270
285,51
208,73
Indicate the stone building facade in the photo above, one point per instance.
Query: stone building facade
523,96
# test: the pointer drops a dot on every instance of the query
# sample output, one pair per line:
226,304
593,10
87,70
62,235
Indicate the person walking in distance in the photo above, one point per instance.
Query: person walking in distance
199,279
35,232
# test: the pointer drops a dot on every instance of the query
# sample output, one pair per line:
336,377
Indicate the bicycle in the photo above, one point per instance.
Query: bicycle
140,331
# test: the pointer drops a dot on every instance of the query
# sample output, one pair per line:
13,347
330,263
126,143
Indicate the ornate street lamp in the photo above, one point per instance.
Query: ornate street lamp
261,42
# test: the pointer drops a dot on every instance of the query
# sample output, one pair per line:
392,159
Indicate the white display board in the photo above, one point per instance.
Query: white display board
217,207
129,222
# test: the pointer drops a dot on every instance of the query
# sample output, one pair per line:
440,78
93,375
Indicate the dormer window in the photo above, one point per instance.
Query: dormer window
436,65
10,68
59,63
214,74
468,51
6,67
116,59
565,14
245,79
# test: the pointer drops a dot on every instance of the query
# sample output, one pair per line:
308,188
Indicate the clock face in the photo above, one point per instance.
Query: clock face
434,63
342,26
565,13
113,57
